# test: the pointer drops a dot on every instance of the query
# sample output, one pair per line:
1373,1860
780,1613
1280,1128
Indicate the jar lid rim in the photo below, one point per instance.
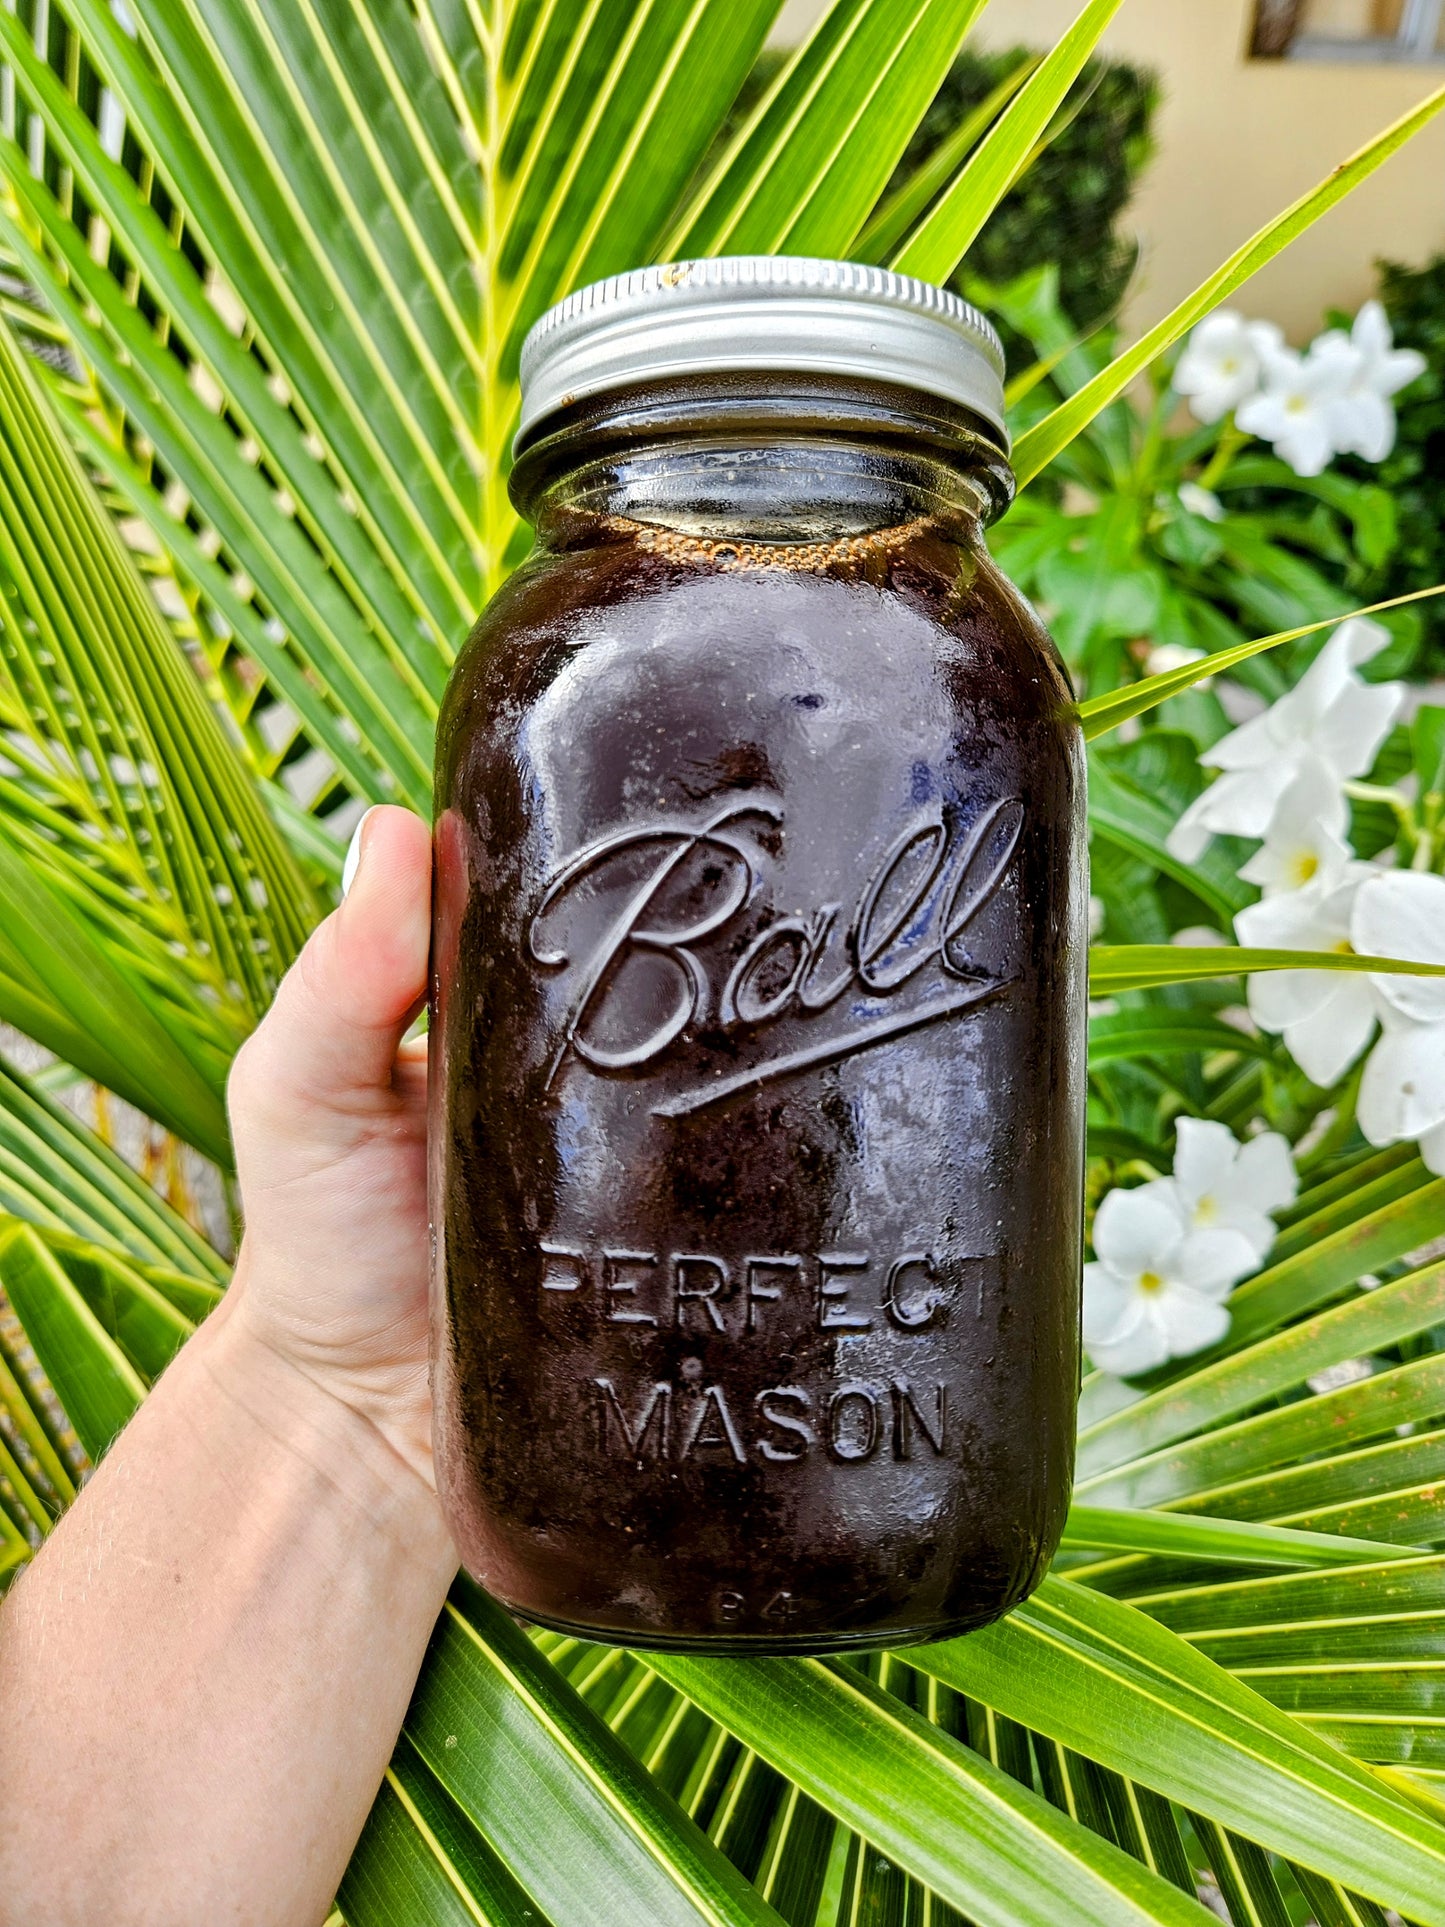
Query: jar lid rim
755,313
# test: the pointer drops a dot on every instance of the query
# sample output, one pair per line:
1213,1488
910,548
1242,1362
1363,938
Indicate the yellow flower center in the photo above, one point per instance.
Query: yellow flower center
1206,1211
1150,1281
1303,866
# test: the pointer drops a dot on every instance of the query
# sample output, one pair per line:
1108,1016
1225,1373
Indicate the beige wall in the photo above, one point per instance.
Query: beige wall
1239,140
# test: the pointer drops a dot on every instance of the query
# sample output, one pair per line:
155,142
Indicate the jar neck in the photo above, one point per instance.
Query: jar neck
781,460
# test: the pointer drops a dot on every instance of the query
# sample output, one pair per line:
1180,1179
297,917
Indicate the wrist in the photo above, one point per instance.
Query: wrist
348,1441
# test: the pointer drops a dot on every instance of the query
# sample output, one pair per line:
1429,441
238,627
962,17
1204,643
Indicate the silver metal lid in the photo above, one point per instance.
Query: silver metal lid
775,313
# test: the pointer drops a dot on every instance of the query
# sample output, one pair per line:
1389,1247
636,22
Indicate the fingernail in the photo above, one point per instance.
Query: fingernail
353,851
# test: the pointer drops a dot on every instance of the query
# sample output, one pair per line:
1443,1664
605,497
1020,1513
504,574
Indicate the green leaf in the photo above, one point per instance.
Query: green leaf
568,1808
14,1546
1232,1542
391,597
314,258
420,1859
56,1172
127,1306
804,172
955,223
1102,1677
318,620
1245,1877
119,722
1427,735
1398,1603
1125,1036
1238,1383
970,1832
97,1383
1099,714
897,212
588,178
64,989
1114,968
41,1473
1322,1267
1367,1183
1040,445
1127,815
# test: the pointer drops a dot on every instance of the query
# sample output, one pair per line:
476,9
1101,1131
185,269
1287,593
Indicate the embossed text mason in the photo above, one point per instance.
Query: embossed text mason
758,986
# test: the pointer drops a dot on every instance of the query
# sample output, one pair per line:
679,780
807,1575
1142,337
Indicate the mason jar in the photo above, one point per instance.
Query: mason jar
758,995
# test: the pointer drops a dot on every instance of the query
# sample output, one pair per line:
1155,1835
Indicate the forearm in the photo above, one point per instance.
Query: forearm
202,1675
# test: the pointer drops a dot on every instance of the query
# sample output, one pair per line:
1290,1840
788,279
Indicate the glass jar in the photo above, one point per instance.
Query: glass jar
758,1002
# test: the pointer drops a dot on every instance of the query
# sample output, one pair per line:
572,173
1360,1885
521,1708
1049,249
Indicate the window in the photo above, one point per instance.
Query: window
1350,29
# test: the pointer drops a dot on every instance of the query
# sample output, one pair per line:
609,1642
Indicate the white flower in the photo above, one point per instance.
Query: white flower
1165,656
1097,914
1155,1290
1293,410
1220,1184
1201,501
1306,834
1401,913
1372,370
1222,364
1330,718
1325,1016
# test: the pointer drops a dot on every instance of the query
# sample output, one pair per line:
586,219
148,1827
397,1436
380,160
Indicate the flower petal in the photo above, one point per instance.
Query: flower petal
1432,1150
1204,1154
1307,919
1306,444
1135,1231
1255,1227
1137,1347
1401,913
1327,1039
1109,1302
1212,1262
1349,734
1190,837
1265,1176
1254,745
1190,1321
1363,423
1402,1093
1397,370
1332,673
1371,332
1243,802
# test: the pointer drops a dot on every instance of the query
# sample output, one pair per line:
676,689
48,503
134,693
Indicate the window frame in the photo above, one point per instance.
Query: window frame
1416,41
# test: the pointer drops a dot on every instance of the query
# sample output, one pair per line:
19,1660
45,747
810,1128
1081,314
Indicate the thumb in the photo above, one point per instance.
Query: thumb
330,1038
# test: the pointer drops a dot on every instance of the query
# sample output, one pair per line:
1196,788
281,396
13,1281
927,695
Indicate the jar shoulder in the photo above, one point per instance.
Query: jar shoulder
940,627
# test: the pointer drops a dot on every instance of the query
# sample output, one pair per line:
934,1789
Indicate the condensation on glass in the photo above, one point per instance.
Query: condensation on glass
758,997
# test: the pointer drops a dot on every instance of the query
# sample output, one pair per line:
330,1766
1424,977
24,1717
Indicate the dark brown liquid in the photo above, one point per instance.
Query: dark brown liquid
758,1036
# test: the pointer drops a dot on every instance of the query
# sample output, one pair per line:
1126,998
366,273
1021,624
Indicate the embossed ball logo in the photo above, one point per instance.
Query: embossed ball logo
654,965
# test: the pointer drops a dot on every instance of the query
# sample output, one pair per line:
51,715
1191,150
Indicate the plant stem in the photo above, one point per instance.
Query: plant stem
1230,442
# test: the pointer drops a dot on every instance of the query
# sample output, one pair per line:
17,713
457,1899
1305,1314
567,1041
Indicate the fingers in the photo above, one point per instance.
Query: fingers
331,1036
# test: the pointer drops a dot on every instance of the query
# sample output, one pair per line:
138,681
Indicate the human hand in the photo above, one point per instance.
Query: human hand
328,1116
